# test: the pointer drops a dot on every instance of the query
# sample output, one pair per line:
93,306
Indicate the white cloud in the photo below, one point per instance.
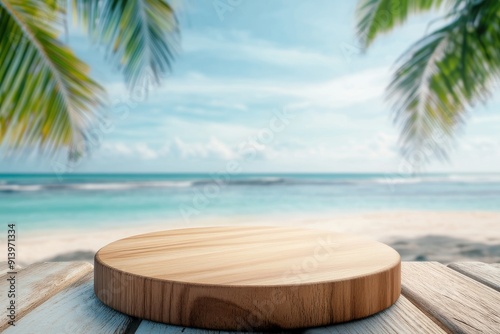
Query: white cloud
121,148
382,146
481,144
343,91
485,119
145,151
240,45
214,148
226,105
140,150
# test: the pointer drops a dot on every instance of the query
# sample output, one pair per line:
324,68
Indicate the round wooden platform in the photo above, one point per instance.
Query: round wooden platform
247,278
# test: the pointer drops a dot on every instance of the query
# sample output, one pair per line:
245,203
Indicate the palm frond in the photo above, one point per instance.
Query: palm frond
443,76
375,17
139,36
47,99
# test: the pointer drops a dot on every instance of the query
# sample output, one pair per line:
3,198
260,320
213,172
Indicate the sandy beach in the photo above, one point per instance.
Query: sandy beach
417,235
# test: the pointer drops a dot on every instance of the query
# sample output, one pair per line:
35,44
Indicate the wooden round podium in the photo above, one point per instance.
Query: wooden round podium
247,278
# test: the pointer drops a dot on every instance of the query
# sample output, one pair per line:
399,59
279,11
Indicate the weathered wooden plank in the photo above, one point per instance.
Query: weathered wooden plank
37,283
482,272
74,310
147,327
402,317
4,268
457,301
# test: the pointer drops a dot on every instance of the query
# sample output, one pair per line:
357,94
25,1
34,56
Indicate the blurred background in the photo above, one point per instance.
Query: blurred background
361,117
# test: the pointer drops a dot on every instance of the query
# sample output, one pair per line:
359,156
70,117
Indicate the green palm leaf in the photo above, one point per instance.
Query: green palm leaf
444,75
47,99
139,36
375,17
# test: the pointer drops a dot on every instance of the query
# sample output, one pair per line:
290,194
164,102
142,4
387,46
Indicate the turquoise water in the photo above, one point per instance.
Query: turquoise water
79,201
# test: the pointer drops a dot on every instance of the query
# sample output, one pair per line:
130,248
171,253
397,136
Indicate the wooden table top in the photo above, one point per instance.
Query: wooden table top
58,297
248,256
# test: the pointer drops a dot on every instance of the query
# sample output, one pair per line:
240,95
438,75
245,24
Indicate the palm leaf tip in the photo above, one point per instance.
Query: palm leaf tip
140,37
47,99
376,17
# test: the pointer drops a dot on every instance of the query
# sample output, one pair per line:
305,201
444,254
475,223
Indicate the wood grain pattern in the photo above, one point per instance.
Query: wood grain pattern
402,317
247,278
38,282
482,272
73,310
457,301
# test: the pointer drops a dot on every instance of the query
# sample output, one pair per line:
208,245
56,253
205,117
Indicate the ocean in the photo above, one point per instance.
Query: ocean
38,202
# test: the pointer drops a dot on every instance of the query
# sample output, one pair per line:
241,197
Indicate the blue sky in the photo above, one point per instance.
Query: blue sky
284,78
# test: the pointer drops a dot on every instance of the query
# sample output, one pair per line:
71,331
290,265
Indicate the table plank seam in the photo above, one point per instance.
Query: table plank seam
458,301
427,313
73,310
133,325
475,278
71,275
